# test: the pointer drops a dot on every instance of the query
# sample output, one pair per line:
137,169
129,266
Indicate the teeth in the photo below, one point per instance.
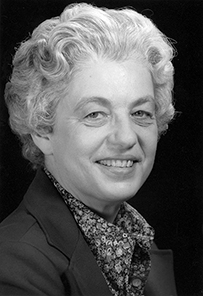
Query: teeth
130,163
117,163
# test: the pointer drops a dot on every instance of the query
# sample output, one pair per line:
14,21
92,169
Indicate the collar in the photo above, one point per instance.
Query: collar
120,249
127,216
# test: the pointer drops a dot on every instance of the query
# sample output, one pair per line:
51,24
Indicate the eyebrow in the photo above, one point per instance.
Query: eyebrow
105,102
142,101
84,101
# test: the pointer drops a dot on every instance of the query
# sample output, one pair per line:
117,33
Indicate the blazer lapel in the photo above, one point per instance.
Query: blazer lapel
87,272
46,205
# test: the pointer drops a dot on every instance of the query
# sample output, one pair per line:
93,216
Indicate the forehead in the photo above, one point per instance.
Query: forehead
113,81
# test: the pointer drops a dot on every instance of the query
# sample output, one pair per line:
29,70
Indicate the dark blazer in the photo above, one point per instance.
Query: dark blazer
42,251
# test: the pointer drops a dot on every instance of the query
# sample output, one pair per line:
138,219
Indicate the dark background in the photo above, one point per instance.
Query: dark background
171,199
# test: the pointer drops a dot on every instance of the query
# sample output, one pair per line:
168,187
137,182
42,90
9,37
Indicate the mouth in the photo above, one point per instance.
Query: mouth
117,163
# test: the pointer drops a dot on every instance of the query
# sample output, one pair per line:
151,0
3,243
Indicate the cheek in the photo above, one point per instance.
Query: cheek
152,149
88,140
60,143
150,143
74,145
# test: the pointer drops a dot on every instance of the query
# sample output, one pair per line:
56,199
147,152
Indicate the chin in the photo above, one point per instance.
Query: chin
122,193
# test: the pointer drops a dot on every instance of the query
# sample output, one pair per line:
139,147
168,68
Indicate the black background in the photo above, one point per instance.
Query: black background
171,199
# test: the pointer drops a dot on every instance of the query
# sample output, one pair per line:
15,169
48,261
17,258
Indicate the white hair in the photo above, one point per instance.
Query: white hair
44,65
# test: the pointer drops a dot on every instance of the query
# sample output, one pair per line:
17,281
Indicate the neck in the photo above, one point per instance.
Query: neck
108,213
104,209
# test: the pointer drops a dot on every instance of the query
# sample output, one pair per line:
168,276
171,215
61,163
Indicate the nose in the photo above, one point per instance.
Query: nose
123,134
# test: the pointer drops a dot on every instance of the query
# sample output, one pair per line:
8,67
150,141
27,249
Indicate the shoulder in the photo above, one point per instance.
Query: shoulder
26,269
16,225
28,262
21,236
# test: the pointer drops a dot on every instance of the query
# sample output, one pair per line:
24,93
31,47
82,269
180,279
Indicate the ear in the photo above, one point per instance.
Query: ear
43,143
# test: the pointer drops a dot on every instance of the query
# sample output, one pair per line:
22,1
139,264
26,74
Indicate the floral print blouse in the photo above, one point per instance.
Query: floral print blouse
121,249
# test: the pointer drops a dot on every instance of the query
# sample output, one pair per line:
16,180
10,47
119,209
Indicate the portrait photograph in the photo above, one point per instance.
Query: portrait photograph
101,148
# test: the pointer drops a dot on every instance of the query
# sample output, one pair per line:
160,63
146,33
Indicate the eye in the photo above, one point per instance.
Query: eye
142,114
95,115
143,117
95,118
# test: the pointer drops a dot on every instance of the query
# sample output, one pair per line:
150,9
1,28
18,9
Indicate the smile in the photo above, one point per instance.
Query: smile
117,163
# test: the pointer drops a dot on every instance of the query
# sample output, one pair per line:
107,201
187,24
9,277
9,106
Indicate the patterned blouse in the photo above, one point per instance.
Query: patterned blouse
121,249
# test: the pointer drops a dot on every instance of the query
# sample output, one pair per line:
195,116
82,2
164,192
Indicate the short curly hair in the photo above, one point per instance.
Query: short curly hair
44,65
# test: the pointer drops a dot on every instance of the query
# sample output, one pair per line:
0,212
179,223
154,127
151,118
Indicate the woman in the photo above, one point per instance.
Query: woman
89,96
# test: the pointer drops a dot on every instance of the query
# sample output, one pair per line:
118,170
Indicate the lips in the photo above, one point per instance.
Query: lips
117,163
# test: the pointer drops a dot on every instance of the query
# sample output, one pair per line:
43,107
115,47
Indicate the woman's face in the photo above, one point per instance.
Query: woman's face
105,137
